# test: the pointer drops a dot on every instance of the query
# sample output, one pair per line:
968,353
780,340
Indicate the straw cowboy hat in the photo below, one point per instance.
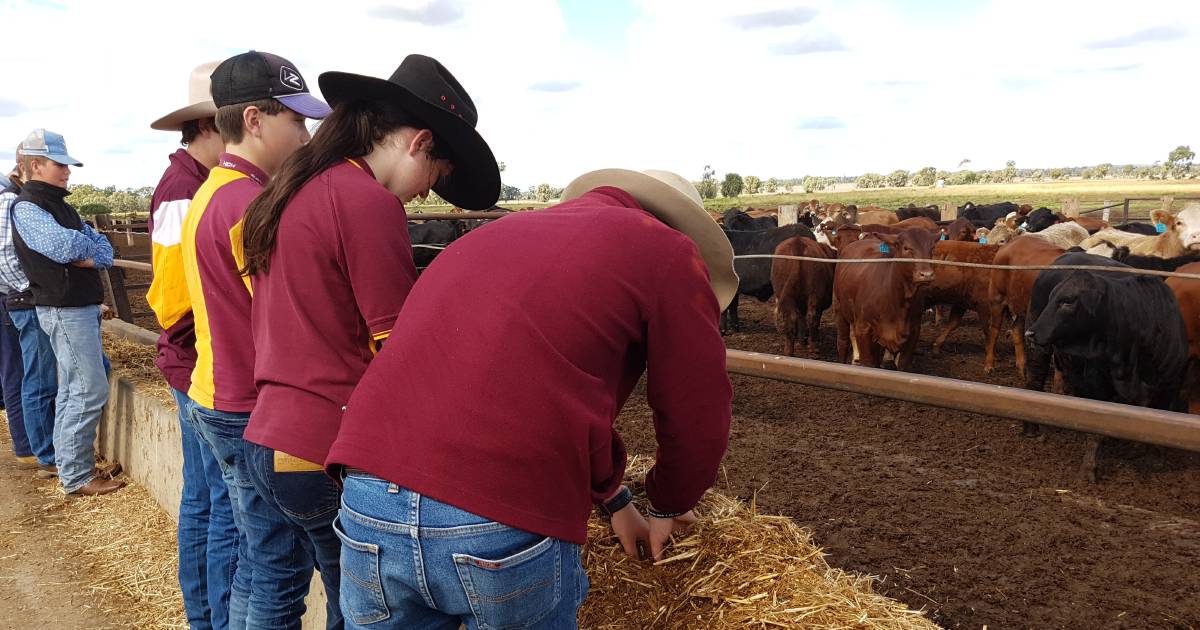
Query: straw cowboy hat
675,201
424,88
200,103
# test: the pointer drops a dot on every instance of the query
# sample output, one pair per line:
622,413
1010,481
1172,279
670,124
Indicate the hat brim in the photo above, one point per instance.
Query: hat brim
305,104
63,158
175,120
676,210
474,183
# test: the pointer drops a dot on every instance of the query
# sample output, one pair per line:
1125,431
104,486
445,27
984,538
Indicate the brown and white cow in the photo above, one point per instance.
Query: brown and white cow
880,305
803,290
1182,233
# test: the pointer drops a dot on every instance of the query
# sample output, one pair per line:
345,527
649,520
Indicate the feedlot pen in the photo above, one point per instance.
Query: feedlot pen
956,512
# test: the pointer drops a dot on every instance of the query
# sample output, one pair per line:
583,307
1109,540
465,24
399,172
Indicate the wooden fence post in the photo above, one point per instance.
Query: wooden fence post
1106,211
949,211
1070,207
789,215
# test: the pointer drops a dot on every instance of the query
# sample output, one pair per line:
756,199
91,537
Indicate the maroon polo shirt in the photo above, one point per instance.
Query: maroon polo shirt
516,350
340,271
177,343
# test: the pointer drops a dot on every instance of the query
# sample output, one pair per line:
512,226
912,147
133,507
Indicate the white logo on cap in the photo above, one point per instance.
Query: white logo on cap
290,78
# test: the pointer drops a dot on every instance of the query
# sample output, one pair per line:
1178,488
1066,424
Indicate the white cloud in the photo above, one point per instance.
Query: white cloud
692,82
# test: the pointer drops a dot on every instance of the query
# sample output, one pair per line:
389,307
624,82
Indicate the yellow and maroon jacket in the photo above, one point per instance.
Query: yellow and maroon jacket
220,297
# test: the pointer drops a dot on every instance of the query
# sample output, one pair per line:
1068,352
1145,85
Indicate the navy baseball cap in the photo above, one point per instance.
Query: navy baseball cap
253,76
48,144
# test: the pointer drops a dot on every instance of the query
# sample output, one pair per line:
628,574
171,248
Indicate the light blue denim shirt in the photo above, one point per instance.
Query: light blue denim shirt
62,245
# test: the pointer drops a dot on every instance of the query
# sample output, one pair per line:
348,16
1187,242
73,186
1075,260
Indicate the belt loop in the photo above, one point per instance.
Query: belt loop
393,488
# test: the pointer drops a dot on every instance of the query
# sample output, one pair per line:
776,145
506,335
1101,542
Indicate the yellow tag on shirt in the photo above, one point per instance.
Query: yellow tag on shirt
285,463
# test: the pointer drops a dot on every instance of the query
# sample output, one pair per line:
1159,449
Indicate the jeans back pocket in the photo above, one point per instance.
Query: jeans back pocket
361,593
516,591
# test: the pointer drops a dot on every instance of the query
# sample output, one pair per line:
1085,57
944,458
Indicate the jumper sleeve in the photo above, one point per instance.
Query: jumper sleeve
378,259
687,386
45,236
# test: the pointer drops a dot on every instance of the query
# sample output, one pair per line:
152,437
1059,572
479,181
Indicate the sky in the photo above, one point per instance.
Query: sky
758,87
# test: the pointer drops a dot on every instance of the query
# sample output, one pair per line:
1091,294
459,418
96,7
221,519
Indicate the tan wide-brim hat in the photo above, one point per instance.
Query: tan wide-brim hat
200,103
675,201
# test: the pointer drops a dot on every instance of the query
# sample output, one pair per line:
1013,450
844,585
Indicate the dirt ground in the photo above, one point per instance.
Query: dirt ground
957,513
42,579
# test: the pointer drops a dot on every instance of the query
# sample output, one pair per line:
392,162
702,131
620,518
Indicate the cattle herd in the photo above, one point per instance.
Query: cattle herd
1116,337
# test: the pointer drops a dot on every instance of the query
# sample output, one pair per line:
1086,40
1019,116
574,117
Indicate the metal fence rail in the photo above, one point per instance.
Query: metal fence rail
1152,426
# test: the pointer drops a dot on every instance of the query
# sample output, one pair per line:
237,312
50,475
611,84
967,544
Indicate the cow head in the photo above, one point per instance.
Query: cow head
1072,311
1004,231
1187,226
911,244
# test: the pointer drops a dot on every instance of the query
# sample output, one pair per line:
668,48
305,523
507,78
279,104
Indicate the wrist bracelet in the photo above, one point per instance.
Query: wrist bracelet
656,514
617,503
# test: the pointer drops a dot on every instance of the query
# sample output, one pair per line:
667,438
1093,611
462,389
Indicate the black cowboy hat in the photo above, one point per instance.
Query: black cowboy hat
425,88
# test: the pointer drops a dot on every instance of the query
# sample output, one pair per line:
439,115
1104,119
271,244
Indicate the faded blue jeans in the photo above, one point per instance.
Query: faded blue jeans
82,389
208,537
409,561
39,384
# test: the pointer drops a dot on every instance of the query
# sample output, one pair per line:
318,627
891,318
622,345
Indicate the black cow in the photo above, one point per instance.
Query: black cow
754,274
1121,254
1040,219
986,215
435,234
1144,229
1114,337
736,219
931,211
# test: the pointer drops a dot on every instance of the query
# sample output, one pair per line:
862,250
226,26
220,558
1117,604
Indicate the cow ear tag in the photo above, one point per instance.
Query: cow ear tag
884,248
1160,227
943,237
983,240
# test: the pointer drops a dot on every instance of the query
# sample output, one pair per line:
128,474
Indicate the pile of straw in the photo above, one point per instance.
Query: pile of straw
135,362
127,553
734,569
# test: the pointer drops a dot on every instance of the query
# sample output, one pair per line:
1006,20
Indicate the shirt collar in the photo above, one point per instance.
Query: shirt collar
190,163
243,166
612,196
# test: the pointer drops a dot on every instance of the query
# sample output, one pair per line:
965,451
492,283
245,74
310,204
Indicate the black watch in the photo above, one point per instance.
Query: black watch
617,503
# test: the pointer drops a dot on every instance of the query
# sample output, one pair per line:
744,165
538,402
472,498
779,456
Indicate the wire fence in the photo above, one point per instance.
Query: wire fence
958,263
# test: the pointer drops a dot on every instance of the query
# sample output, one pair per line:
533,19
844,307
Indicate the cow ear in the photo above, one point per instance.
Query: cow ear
1011,221
1090,299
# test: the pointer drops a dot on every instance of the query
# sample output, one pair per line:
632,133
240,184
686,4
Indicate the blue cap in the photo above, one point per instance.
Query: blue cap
48,144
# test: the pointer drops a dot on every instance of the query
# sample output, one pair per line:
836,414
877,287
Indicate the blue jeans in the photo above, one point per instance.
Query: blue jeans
208,537
12,372
309,501
409,561
38,385
82,389
265,594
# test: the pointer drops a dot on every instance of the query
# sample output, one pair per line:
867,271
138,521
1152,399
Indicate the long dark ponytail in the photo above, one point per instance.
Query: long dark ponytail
352,130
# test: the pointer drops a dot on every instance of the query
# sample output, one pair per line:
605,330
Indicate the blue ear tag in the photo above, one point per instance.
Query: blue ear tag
943,237
1160,227
983,240
884,248
834,232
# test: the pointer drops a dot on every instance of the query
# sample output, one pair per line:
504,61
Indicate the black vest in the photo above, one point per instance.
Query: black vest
51,283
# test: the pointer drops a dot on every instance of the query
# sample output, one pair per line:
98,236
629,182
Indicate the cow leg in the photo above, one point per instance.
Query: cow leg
1018,339
785,324
869,353
843,339
857,360
814,327
956,315
995,316
1091,450
735,322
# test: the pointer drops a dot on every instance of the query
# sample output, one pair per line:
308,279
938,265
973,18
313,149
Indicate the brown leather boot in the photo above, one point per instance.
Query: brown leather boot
97,487
46,472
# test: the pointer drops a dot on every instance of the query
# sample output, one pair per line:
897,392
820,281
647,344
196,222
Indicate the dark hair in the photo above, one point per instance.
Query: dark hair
351,131
229,118
193,128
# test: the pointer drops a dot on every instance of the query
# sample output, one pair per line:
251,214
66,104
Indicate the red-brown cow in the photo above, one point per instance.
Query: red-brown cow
880,304
963,288
959,230
1187,293
802,289
1009,291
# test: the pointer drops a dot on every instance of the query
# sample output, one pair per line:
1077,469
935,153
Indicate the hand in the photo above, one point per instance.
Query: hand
86,263
630,527
106,313
662,528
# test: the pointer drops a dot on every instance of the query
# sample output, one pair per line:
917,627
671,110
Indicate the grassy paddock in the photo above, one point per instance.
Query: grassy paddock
1091,194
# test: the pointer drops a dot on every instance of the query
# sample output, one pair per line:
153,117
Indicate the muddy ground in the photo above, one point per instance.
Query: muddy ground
955,512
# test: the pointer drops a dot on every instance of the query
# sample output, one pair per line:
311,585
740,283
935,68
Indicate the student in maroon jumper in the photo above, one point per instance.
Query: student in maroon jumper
326,246
478,441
